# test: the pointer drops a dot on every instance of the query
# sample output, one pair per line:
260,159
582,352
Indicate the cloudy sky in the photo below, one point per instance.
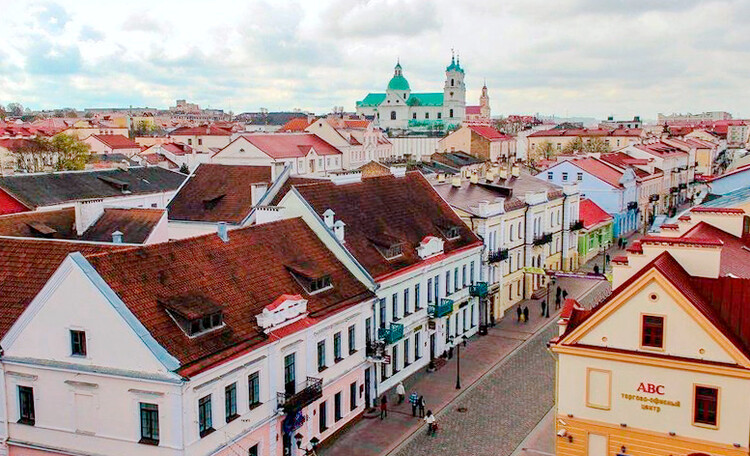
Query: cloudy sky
565,57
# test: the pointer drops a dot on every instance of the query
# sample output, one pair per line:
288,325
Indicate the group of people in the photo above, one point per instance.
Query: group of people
417,406
523,312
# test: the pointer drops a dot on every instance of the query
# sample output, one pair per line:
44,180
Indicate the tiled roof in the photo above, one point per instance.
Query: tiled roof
48,189
660,149
136,224
735,256
218,193
591,214
290,145
25,267
14,144
468,196
624,161
241,276
117,141
405,209
177,148
718,210
588,132
206,130
600,169
490,133
298,124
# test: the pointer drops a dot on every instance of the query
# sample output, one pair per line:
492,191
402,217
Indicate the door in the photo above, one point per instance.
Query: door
597,445
367,387
432,347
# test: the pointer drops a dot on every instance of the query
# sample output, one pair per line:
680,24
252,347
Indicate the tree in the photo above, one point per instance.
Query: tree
3,113
72,153
184,169
542,151
596,145
576,145
15,109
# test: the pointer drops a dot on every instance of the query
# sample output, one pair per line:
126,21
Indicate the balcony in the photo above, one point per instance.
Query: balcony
478,289
674,190
311,392
545,238
497,256
392,334
633,205
576,225
444,308
375,350
683,186
653,198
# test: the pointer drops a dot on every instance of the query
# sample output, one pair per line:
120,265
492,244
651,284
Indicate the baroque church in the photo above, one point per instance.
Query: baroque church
400,108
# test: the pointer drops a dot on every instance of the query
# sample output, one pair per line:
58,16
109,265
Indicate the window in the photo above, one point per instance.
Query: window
565,176
190,142
437,288
337,347
455,280
406,352
440,115
230,402
406,302
447,283
452,233
466,320
319,284
289,380
26,405
322,417
205,324
463,277
200,141
353,396
253,451
337,406
321,355
205,423
471,273
414,115
394,305
429,290
706,405
417,353
447,329
149,423
393,115
417,304
382,313
427,115
253,390
550,175
450,113
394,358
352,338
579,176
383,373
452,86
77,343
652,331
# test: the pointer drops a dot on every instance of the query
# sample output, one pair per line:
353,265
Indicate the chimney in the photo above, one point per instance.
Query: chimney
86,213
456,182
117,237
474,179
515,170
338,230
257,190
328,217
221,230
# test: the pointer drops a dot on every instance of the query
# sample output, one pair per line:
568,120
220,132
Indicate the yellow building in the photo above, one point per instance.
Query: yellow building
559,138
662,367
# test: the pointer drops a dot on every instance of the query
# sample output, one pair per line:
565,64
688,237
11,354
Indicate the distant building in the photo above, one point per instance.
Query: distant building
111,144
482,141
206,138
612,123
708,116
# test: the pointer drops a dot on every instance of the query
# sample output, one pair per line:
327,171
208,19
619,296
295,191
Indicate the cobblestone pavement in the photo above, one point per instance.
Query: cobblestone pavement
500,410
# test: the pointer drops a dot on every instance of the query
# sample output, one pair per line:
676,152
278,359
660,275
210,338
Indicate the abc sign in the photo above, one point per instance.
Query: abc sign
650,388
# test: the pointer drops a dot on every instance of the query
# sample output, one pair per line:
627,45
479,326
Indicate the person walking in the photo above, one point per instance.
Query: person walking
414,399
421,404
383,407
401,391
431,424
526,314
544,306
519,312
557,302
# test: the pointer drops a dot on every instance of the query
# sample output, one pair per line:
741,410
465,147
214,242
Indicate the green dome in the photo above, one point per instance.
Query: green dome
398,83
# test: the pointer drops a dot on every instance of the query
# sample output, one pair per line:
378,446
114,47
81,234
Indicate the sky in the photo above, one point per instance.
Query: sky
566,57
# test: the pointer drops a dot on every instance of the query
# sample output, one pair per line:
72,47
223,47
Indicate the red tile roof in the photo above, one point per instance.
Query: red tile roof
719,210
117,141
177,148
356,123
25,267
661,149
218,193
15,144
290,145
241,276
10,205
392,210
694,240
600,169
490,133
622,259
591,214
206,130
735,256
296,124
588,132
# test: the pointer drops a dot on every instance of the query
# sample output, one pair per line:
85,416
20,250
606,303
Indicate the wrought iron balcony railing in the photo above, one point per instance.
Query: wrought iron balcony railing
633,205
478,289
683,186
545,238
442,309
311,392
497,256
375,350
653,198
392,334
576,225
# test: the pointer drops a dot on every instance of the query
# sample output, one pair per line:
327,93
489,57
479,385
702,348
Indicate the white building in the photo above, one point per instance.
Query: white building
358,140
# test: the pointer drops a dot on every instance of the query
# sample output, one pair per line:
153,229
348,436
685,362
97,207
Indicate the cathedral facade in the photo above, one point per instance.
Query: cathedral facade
400,108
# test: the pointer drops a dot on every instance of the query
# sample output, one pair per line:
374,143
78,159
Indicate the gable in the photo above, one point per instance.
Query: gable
687,332
73,300
240,151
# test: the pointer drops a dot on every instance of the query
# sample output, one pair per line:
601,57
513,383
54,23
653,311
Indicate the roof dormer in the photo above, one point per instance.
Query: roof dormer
312,279
195,314
284,310
388,246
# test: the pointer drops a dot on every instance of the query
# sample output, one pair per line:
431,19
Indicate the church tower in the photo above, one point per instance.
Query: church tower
484,103
454,93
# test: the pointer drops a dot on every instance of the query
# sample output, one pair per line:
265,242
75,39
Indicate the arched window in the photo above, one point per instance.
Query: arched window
452,83
414,115
427,115
450,114
393,115
511,233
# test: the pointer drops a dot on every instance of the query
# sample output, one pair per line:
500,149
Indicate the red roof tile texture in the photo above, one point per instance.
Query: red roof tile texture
296,124
117,142
490,133
388,209
600,169
290,145
588,132
218,193
591,214
206,130
241,276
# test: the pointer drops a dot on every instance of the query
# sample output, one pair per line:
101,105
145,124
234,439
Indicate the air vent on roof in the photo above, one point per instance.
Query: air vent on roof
116,183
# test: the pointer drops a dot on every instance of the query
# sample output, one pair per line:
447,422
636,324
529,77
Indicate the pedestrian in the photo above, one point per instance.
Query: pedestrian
559,292
383,407
557,302
526,314
565,294
413,399
422,404
401,391
544,306
519,312
431,425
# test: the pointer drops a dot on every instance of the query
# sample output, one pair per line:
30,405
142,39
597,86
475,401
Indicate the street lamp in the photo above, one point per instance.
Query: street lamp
454,341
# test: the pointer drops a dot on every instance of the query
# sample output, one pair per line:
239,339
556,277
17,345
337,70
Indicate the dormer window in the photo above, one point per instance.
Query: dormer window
312,279
318,284
388,246
195,314
451,233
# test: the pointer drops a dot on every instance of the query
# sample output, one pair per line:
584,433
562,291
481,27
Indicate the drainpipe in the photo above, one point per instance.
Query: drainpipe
4,441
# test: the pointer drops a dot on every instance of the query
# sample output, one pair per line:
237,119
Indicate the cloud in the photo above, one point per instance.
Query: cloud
380,18
44,57
51,16
140,22
89,33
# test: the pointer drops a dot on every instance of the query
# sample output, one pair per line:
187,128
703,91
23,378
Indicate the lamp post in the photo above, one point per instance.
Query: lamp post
454,341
